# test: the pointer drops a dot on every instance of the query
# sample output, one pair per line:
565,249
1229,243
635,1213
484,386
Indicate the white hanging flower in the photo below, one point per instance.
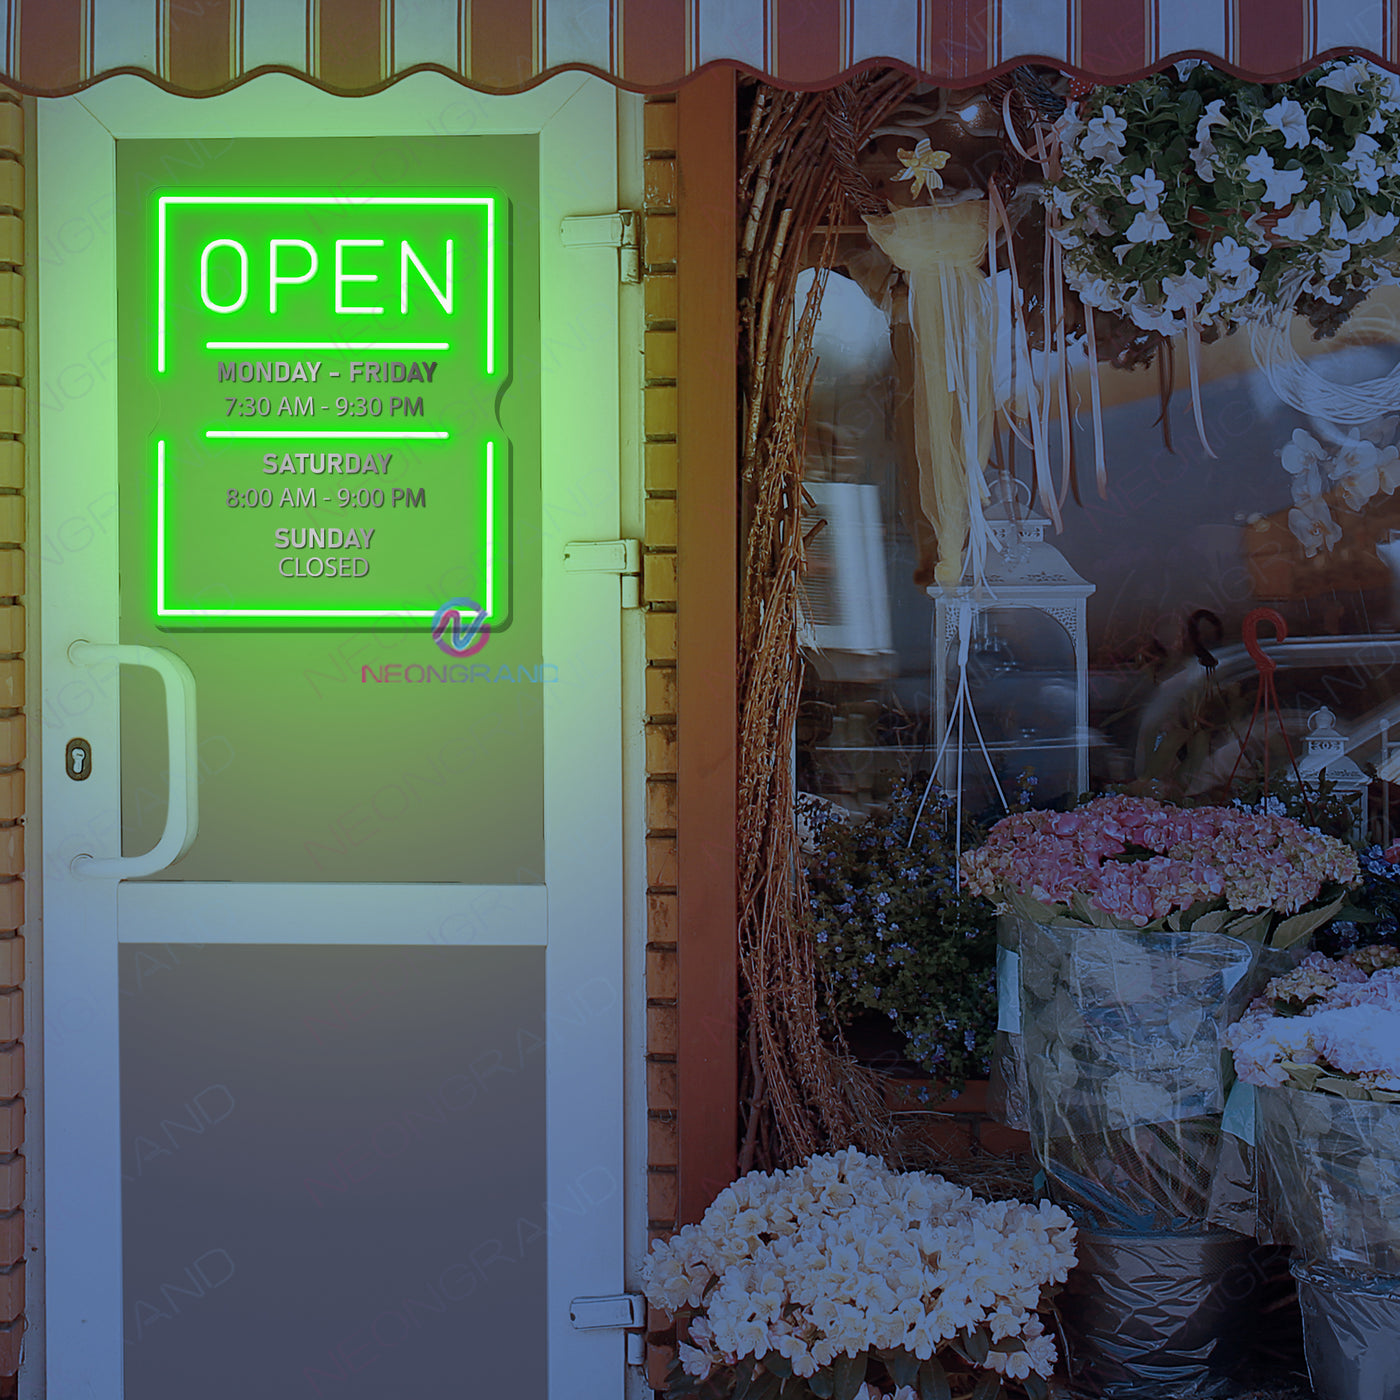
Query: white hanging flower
1214,115
1148,227
1279,185
1373,228
1103,137
1289,120
1301,224
1145,189
1313,527
1154,317
1201,157
1337,229
1183,292
1069,128
1230,258
1303,459
1345,77
1063,200
1355,467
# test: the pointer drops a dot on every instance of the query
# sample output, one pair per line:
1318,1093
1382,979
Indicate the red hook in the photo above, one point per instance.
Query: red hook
1249,631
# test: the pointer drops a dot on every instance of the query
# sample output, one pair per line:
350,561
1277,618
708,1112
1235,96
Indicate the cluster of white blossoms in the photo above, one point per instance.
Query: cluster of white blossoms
843,1255
1205,198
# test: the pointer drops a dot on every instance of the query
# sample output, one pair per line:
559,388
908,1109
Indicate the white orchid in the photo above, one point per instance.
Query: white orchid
1289,120
1145,189
1304,459
1355,468
1301,224
1313,527
1103,137
1279,185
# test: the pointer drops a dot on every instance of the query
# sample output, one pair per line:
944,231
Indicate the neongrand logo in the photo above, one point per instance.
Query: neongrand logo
460,628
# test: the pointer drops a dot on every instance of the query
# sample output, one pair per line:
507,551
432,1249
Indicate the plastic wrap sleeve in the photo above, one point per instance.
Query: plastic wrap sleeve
1351,1331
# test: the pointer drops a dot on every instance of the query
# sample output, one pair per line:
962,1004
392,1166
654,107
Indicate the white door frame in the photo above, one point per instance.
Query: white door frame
583,904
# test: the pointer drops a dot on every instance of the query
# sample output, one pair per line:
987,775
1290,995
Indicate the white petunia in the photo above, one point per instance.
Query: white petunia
1345,77
1373,228
1301,224
1103,137
1145,189
1279,185
1337,230
1148,227
1154,317
1214,115
1183,292
1063,200
1229,258
1289,120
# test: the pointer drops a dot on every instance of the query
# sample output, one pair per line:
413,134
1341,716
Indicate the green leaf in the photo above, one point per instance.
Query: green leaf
933,1381
1294,930
1035,1387
743,1378
976,1344
989,1388
822,1383
778,1364
902,1365
794,1388
850,1375
765,1387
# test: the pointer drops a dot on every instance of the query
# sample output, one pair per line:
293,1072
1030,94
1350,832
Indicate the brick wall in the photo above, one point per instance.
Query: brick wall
14,118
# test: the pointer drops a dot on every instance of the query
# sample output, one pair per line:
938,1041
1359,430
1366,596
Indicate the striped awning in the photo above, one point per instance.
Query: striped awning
198,47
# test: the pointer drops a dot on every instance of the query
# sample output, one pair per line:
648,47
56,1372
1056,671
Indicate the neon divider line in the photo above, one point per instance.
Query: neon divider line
294,433
490,528
489,201
327,345
160,527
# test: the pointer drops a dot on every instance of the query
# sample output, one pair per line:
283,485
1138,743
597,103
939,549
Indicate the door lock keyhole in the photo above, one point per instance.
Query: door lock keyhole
77,759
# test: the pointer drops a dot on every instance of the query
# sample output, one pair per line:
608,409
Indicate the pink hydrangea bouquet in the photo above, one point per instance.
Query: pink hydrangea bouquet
1132,862
843,1278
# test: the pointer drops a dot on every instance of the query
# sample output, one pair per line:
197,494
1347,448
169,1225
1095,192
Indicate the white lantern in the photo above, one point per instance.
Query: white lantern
1026,572
1325,754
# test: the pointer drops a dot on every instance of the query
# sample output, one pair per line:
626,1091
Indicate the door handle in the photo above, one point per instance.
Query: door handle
182,809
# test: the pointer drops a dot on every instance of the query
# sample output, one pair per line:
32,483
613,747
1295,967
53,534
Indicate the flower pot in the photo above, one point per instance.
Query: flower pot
1351,1331
1149,1316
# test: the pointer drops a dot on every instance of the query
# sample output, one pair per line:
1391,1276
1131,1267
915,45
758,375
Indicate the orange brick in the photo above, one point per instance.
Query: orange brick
12,1237
661,805
659,1359
661,1085
661,639
661,749
12,1293
661,862
659,410
11,1336
659,127
11,892
659,240
659,299
659,1321
660,354
663,918
11,1021
661,1030
661,974
658,578
659,183
11,863
12,1073
660,690
11,949
663,1198
660,522
12,1184
661,466
12,128
663,1144
11,801
11,1129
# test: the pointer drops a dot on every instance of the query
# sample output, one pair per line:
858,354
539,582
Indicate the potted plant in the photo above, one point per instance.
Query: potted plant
1142,930
840,1278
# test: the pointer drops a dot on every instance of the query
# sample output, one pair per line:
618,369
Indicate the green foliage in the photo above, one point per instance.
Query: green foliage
894,935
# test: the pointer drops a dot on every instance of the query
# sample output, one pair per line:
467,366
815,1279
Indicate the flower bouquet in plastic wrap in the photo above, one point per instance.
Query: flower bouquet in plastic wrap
1322,1047
1144,930
841,1278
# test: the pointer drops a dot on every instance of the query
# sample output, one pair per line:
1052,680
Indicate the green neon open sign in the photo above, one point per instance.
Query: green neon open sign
328,369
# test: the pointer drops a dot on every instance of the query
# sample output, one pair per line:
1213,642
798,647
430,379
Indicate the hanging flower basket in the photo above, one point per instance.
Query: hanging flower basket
1195,198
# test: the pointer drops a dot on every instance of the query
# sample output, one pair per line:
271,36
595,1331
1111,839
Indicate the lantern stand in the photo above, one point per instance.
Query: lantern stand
1025,573
1325,755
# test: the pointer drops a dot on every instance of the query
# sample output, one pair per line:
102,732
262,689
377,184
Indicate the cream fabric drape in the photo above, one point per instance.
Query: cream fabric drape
940,248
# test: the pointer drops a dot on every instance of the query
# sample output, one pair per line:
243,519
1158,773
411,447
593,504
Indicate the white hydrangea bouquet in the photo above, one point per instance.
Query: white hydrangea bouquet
842,1278
1192,198
1322,1047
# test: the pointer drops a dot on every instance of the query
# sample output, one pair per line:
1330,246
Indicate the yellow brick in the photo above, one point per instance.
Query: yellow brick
11,184
660,522
11,575
659,410
11,238
11,463
659,239
660,298
11,684
661,809
660,749
12,519
659,578
663,918
12,350
660,466
659,184
11,631
11,405
660,354
11,740
660,687
659,127
661,975
11,1019
12,128
11,296
11,906
661,636
661,863
12,949
11,863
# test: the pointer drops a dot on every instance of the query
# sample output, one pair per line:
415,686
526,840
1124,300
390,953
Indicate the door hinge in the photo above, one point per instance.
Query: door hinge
618,231
621,557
